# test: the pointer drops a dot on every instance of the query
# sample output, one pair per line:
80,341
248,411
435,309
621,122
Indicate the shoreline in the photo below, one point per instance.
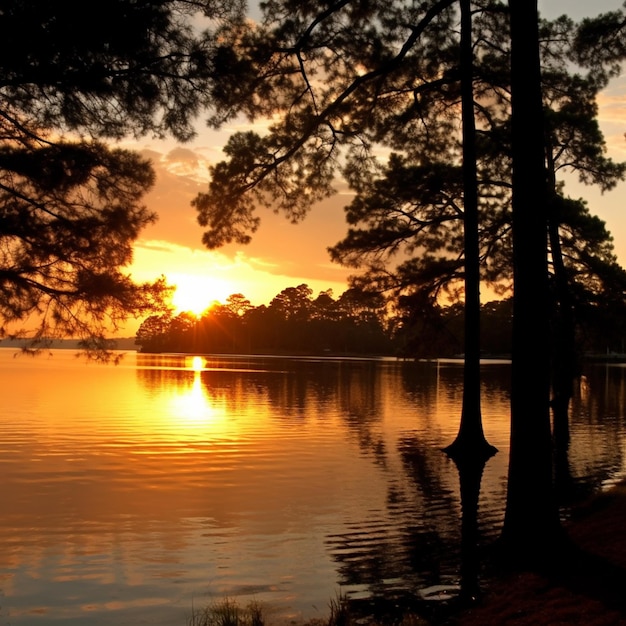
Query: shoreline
591,593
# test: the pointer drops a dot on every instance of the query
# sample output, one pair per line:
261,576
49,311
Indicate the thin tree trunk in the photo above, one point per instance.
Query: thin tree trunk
564,357
470,440
531,525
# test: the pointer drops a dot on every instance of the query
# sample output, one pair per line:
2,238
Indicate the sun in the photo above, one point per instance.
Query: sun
196,293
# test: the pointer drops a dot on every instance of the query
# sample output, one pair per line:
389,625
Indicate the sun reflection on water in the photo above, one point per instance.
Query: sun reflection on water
184,398
192,406
197,363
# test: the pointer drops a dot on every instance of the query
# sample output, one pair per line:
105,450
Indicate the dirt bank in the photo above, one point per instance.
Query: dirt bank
591,592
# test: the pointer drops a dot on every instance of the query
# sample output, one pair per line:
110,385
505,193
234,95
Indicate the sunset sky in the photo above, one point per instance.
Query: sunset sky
282,254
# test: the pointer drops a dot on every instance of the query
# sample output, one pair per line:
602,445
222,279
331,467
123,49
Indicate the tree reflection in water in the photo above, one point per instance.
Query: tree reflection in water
426,537
395,556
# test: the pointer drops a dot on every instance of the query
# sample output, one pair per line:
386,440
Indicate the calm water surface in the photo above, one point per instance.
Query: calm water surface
132,493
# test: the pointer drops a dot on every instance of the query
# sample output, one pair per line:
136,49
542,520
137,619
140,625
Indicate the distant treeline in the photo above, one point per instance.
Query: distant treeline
357,322
294,322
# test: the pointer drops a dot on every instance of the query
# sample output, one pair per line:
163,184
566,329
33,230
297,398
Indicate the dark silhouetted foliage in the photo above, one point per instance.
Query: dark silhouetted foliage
72,75
293,323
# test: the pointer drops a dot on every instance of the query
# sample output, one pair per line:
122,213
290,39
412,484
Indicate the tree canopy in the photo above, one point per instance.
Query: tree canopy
373,92
71,76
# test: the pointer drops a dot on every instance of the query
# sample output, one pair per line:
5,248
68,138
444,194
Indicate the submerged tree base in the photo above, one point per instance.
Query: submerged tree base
466,450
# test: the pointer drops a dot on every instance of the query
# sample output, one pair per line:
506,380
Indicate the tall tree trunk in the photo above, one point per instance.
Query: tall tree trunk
470,441
531,524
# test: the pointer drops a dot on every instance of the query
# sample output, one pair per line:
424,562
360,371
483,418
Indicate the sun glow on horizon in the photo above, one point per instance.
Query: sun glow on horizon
195,293
204,277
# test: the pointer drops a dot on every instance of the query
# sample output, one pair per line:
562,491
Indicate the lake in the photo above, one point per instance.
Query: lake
132,493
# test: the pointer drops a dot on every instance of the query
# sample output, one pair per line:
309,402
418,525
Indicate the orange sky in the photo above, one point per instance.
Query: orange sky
281,254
